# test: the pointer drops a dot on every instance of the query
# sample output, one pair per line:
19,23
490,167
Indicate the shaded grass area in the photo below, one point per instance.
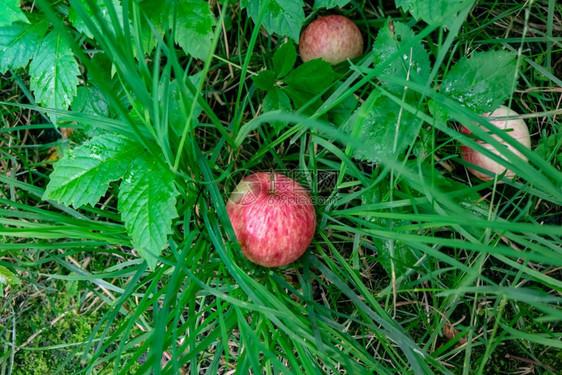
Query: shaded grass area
48,321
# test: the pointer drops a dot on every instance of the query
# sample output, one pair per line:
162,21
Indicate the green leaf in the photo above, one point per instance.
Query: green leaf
19,43
90,100
264,80
307,81
313,77
413,65
7,277
54,73
194,27
435,11
10,13
147,201
103,9
282,17
301,98
284,59
383,127
154,10
330,3
482,82
153,18
83,175
274,100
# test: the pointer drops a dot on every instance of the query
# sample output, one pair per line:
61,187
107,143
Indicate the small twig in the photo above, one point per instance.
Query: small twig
529,361
32,337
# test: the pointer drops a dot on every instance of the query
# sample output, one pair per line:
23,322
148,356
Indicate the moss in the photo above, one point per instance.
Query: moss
64,336
72,328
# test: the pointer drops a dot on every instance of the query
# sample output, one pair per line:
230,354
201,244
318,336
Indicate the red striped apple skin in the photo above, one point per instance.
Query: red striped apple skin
516,128
273,218
332,38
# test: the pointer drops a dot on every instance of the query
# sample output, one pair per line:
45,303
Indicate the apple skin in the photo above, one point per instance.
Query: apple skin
273,218
332,38
516,128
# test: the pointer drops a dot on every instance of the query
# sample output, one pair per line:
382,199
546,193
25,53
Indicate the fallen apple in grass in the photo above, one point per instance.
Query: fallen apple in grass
516,128
273,218
332,38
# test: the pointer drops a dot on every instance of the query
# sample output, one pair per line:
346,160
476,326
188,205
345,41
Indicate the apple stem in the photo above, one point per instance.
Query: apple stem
272,180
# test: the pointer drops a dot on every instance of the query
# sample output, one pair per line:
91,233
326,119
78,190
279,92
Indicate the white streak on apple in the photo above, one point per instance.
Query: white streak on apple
332,38
273,218
516,128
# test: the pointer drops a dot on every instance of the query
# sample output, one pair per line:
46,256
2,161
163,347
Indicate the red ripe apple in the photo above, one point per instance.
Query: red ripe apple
516,128
273,218
332,38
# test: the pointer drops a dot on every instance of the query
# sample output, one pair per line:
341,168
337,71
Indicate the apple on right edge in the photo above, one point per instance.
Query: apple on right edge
273,218
516,128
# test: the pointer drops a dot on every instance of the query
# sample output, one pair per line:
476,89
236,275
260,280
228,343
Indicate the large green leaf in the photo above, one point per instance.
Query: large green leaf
282,17
330,3
10,12
152,23
103,9
307,81
194,24
154,11
90,100
312,77
482,82
435,11
383,127
413,64
194,27
19,43
54,73
147,202
83,175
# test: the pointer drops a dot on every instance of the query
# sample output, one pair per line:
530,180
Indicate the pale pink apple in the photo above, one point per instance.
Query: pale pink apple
332,38
273,218
516,128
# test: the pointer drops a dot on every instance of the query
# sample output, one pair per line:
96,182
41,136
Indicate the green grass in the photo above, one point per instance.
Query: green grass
482,297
